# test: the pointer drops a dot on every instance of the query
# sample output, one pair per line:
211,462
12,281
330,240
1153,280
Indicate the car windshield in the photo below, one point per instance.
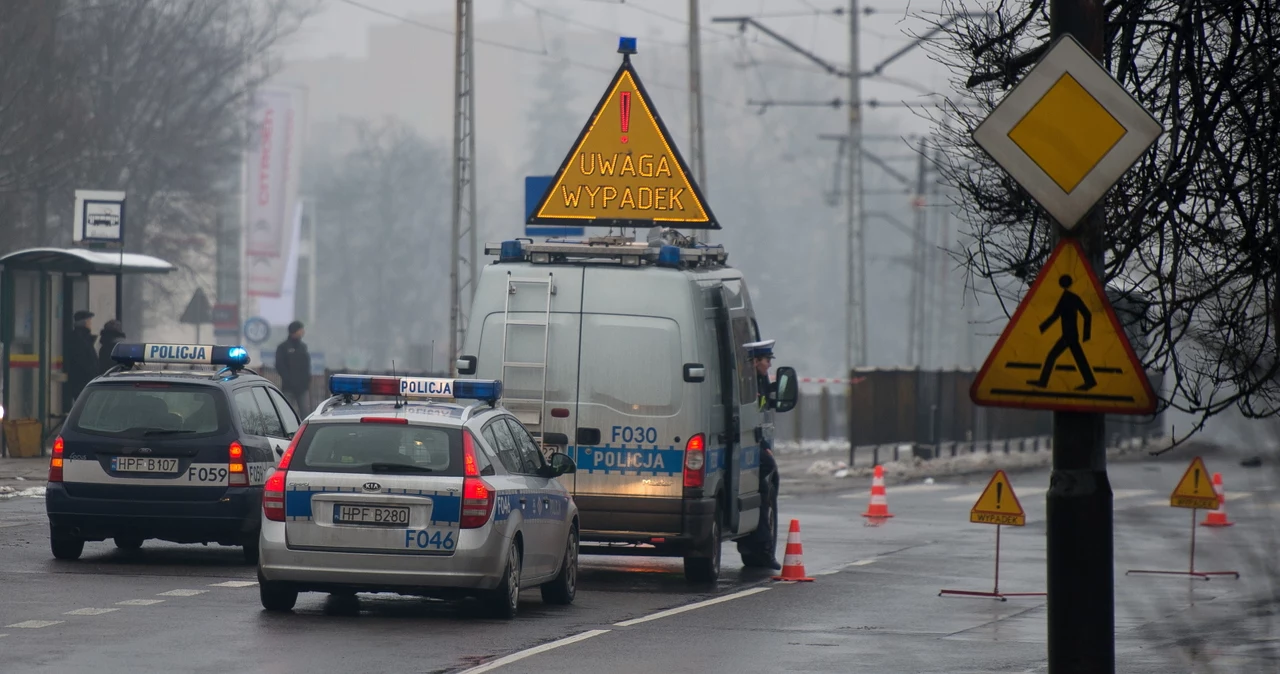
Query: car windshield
151,409
379,448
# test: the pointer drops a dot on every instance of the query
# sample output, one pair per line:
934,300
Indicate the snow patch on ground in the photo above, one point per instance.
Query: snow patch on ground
10,492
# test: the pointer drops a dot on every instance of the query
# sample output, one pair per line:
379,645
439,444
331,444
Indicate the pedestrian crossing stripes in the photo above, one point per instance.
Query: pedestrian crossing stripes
235,583
181,593
34,624
139,602
90,611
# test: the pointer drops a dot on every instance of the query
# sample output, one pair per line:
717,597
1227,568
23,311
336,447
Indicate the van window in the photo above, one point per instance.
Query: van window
634,364
744,333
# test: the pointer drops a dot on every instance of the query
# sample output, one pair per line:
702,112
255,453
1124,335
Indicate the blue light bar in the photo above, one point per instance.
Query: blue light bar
190,354
416,387
669,256
511,251
626,45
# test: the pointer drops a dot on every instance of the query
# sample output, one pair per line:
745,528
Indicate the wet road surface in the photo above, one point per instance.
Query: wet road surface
872,608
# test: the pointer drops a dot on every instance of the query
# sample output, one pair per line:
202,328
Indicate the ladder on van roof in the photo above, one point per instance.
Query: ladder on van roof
516,405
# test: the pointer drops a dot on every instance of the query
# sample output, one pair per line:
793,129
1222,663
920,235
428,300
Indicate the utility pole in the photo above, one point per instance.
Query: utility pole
855,293
1080,544
919,265
695,106
463,230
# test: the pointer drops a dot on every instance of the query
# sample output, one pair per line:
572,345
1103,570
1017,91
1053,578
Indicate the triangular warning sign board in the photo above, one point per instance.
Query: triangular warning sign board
1195,489
624,169
1064,349
198,310
998,504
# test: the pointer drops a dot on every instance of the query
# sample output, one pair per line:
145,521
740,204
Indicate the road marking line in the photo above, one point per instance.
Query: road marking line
235,583
864,562
842,567
139,602
3,636
691,607
907,489
181,593
35,624
520,655
1118,494
90,611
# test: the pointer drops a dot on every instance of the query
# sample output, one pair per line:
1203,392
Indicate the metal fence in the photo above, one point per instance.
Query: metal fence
926,408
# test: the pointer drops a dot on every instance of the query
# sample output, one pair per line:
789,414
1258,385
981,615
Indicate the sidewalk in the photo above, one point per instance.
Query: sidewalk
17,471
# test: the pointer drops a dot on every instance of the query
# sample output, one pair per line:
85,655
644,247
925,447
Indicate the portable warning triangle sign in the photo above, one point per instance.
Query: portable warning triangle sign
1195,489
1064,349
998,504
624,170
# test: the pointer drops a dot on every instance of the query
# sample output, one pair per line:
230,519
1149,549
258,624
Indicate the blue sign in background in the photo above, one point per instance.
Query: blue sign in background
534,188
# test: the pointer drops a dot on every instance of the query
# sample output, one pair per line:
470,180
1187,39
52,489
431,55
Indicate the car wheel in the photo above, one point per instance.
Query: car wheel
564,587
505,599
706,568
250,550
276,596
65,546
128,542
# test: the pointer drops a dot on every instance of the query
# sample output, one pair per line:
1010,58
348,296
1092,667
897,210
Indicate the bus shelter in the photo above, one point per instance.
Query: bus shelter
40,291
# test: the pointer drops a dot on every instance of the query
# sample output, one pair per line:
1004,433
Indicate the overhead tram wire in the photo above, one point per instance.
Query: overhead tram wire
438,29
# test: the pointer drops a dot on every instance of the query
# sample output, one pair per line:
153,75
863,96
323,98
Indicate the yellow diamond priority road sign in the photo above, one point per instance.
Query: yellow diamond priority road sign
1067,132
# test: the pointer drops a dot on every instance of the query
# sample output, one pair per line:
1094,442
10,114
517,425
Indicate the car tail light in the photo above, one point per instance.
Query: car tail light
236,466
273,497
477,502
55,463
273,492
470,467
695,461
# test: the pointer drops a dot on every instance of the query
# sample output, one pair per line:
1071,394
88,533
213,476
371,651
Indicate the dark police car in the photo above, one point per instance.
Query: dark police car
178,454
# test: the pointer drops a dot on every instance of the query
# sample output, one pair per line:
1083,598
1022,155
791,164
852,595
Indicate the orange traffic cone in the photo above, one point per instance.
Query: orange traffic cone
1218,516
792,566
879,506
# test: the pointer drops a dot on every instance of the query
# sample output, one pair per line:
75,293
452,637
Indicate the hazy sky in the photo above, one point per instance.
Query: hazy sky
341,29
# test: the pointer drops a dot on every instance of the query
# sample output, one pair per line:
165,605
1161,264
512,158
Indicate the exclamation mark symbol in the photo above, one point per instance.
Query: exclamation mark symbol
1197,488
999,495
624,111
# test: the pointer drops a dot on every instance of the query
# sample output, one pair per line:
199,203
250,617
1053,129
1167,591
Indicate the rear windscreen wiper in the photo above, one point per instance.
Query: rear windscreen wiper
166,431
399,468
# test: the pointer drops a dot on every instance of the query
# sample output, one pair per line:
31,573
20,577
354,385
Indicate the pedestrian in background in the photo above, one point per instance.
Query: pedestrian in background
112,334
79,357
293,362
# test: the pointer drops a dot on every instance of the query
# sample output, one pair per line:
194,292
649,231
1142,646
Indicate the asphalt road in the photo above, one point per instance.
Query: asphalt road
874,606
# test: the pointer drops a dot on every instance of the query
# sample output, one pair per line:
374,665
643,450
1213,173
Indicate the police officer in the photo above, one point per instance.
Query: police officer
80,357
293,363
758,549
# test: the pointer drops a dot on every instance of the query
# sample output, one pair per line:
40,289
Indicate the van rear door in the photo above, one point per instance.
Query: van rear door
525,341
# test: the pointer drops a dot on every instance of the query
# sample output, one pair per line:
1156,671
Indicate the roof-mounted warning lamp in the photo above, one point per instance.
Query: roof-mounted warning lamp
626,45
511,251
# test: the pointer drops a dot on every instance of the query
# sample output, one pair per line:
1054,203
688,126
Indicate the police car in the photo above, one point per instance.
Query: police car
177,454
417,493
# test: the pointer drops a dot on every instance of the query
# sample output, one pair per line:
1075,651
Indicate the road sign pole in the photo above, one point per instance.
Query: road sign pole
1081,582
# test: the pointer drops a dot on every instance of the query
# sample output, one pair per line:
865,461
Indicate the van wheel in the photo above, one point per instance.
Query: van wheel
128,542
276,596
502,601
65,546
564,587
706,569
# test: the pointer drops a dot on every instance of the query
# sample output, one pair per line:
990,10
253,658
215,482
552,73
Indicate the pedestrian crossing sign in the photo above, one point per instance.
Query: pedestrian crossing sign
1195,489
1064,349
998,504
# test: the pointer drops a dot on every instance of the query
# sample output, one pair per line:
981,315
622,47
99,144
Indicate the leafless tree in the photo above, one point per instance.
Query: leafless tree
1194,227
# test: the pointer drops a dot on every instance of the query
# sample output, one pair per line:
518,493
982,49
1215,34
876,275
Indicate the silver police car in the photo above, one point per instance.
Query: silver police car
431,497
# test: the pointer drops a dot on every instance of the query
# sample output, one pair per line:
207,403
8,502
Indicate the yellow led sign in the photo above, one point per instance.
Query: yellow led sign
624,170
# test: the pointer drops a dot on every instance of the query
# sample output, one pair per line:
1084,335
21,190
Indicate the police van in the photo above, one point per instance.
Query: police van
629,357
174,443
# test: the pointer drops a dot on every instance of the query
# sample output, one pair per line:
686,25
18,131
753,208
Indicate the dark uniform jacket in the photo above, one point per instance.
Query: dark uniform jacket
80,360
293,362
107,341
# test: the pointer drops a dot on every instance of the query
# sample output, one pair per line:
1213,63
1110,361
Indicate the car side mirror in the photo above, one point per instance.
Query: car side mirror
788,389
695,373
466,365
561,464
